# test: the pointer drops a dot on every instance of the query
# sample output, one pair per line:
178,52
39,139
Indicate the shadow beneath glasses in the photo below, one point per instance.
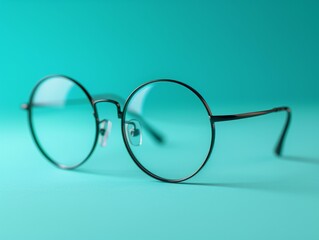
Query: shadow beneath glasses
108,173
301,159
131,175
270,186
282,187
291,183
285,184
89,171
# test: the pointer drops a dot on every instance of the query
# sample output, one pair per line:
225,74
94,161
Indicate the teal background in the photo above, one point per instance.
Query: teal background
241,55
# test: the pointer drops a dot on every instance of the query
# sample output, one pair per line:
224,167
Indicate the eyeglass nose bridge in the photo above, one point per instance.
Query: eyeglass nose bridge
116,103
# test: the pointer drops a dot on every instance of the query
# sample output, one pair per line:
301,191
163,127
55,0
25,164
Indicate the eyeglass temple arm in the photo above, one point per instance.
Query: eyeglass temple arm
279,146
154,133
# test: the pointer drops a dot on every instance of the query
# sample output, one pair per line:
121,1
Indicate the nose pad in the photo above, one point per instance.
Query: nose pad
105,130
134,132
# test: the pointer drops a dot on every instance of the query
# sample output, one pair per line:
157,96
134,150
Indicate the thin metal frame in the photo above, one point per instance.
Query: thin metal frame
28,107
122,113
209,114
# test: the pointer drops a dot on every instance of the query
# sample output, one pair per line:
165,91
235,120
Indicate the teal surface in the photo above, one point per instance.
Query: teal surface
241,55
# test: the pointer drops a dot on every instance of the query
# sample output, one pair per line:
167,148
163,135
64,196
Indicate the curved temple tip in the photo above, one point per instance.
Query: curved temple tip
279,146
278,149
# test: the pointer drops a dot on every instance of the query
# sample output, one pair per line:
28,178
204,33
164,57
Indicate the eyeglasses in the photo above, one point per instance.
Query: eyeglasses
167,126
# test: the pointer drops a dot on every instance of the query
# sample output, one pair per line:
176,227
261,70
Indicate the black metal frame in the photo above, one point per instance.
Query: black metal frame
209,114
279,146
29,105
109,98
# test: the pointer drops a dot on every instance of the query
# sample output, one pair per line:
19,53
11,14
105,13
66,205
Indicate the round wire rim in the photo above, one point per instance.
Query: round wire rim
35,138
126,141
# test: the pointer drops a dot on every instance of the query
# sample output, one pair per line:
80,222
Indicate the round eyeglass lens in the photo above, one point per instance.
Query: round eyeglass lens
167,130
62,121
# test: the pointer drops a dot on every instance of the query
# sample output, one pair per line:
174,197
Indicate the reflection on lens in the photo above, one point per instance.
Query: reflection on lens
174,114
62,121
